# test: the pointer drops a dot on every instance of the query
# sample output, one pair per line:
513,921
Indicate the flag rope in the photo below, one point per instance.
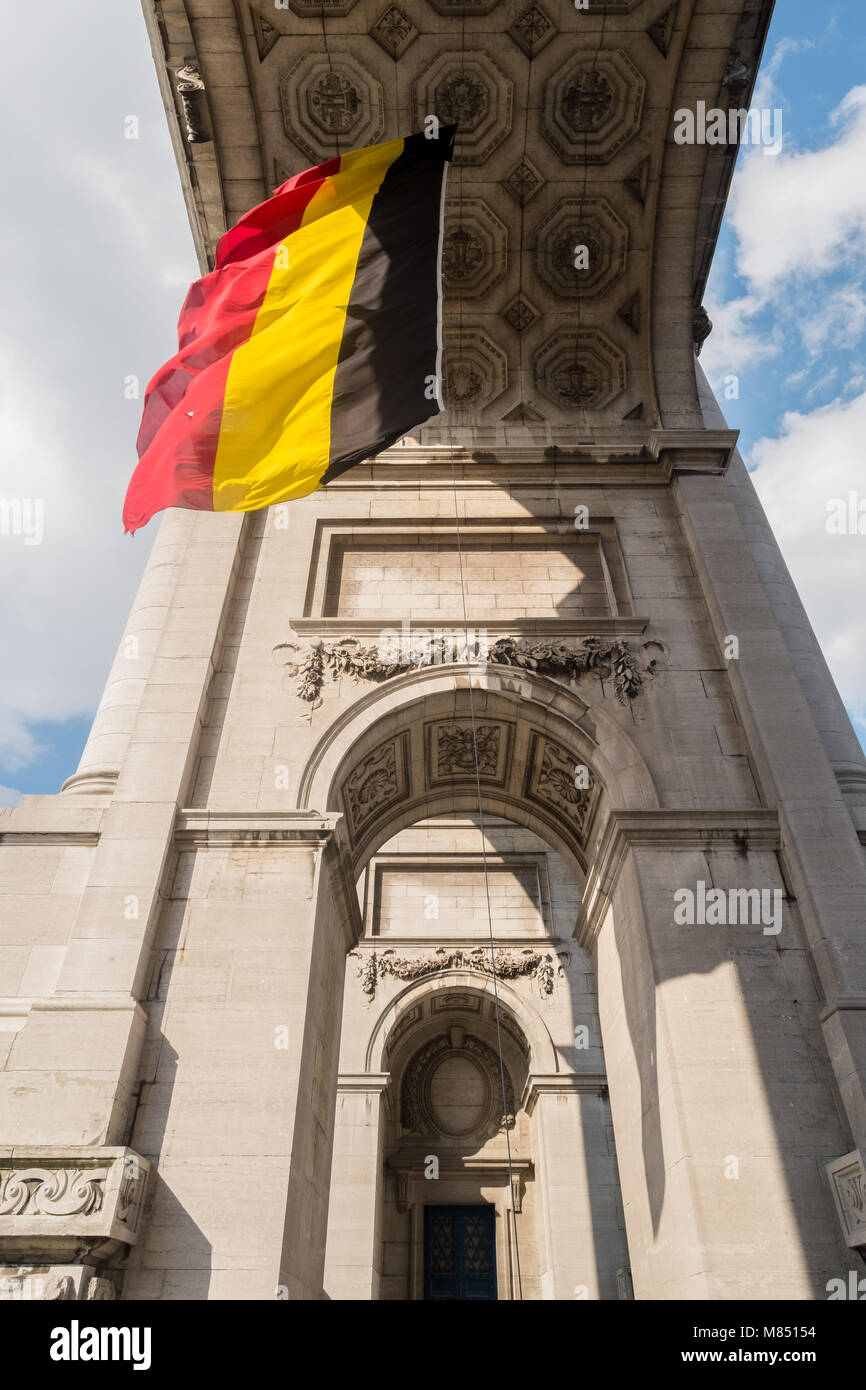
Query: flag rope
477,768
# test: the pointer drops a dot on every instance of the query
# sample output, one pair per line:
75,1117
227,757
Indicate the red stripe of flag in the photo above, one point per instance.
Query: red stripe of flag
183,401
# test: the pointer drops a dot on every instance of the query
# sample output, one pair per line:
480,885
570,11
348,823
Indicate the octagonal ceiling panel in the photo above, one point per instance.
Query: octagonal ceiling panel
474,249
579,369
467,89
475,371
330,104
593,107
576,223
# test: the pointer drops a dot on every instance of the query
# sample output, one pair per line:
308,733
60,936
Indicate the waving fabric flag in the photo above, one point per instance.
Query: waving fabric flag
313,344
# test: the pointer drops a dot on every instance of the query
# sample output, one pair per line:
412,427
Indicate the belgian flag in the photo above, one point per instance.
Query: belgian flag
313,344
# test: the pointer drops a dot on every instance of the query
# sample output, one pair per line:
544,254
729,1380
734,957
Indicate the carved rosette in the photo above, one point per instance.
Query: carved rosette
380,780
470,90
552,782
394,31
533,30
520,313
580,370
590,223
593,107
330,104
523,182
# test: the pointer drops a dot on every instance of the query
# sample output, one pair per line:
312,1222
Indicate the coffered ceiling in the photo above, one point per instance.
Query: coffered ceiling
565,140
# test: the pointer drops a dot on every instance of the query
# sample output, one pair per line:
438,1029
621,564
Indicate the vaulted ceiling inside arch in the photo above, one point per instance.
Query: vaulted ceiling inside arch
566,121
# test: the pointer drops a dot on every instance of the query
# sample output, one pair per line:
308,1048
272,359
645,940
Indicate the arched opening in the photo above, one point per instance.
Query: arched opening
421,1126
441,1187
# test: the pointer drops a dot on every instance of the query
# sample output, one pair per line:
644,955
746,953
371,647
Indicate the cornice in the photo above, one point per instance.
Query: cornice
665,828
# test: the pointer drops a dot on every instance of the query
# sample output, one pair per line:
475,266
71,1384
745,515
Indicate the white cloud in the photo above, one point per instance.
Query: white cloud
101,255
767,92
817,457
802,213
734,345
838,322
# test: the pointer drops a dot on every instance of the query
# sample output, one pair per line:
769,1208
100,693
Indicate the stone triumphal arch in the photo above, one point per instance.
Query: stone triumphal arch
331,974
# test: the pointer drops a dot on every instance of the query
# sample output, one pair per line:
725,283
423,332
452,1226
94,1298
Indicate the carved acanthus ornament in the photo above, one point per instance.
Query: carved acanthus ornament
608,659
504,964
61,1192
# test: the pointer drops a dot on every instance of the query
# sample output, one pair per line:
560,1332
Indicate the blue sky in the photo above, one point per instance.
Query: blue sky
101,231
787,295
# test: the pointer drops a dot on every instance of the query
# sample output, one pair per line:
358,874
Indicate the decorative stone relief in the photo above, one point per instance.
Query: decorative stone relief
847,1177
190,86
637,182
593,108
52,1192
580,369
702,327
661,31
88,1200
265,34
532,30
449,753
550,782
520,313
379,781
330,104
405,1022
602,656
523,182
462,749
474,370
394,31
630,312
469,89
474,249
575,223
444,1001
319,9
422,1110
506,965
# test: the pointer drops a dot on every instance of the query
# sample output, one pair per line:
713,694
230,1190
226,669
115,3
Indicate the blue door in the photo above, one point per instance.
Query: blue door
459,1253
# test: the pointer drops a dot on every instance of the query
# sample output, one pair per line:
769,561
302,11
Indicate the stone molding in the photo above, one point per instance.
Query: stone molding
847,1178
57,1202
363,1083
408,1168
665,829
236,829
526,627
539,1084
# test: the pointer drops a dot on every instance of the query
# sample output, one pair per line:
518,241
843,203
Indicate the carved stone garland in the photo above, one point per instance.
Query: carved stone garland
506,964
608,659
